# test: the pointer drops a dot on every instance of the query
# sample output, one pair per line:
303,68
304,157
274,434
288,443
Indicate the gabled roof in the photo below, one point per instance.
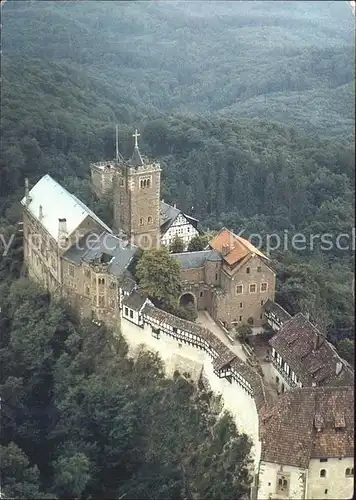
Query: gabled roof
312,358
272,307
168,215
233,247
58,203
103,248
289,427
135,301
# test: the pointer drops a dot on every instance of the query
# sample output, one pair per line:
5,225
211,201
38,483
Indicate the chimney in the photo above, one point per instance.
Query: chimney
339,367
40,215
62,230
27,193
225,249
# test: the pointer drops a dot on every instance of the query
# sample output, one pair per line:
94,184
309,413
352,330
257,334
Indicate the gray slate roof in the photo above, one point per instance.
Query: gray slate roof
134,301
58,203
191,260
136,158
106,247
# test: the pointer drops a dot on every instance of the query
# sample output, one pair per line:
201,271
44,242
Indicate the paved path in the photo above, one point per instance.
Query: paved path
206,320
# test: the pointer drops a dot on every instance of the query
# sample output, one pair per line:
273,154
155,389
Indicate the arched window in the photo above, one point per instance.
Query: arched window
149,220
148,182
323,473
141,221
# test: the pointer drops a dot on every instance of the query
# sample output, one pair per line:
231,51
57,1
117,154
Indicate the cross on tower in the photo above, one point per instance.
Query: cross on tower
136,135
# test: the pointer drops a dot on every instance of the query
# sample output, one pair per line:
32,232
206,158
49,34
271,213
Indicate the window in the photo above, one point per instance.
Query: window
240,318
87,290
113,285
264,287
247,270
277,380
201,294
141,221
283,484
131,314
145,183
252,288
261,316
126,311
87,273
149,220
101,281
241,305
71,270
262,302
349,472
239,289
323,460
101,301
326,492
323,473
259,269
122,183
216,276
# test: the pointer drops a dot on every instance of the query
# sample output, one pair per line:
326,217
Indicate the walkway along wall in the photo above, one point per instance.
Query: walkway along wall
194,350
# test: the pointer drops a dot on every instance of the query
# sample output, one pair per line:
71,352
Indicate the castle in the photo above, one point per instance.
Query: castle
303,440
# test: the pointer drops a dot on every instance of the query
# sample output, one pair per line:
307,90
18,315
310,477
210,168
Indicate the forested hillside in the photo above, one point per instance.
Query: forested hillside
285,61
249,108
81,420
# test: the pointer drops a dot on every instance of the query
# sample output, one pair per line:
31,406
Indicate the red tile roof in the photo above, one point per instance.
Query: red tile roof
289,428
312,358
233,247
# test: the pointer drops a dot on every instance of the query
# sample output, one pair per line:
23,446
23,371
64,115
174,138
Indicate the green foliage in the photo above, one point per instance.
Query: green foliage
82,420
243,332
159,276
346,349
198,243
18,478
177,245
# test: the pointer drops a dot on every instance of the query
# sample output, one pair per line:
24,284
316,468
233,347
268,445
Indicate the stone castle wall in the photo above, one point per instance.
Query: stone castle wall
178,353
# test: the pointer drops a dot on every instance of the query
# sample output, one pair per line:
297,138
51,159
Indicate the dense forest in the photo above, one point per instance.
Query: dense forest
249,108
81,420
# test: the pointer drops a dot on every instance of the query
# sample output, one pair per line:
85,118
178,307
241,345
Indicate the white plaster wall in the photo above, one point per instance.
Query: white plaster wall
268,482
189,359
337,485
182,228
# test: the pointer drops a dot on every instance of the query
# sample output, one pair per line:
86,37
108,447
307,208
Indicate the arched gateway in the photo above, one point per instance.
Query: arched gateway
187,299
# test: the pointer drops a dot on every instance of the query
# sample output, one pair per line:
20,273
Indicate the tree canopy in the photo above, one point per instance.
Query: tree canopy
81,419
159,276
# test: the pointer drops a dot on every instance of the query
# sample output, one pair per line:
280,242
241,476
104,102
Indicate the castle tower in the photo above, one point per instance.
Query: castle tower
137,198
